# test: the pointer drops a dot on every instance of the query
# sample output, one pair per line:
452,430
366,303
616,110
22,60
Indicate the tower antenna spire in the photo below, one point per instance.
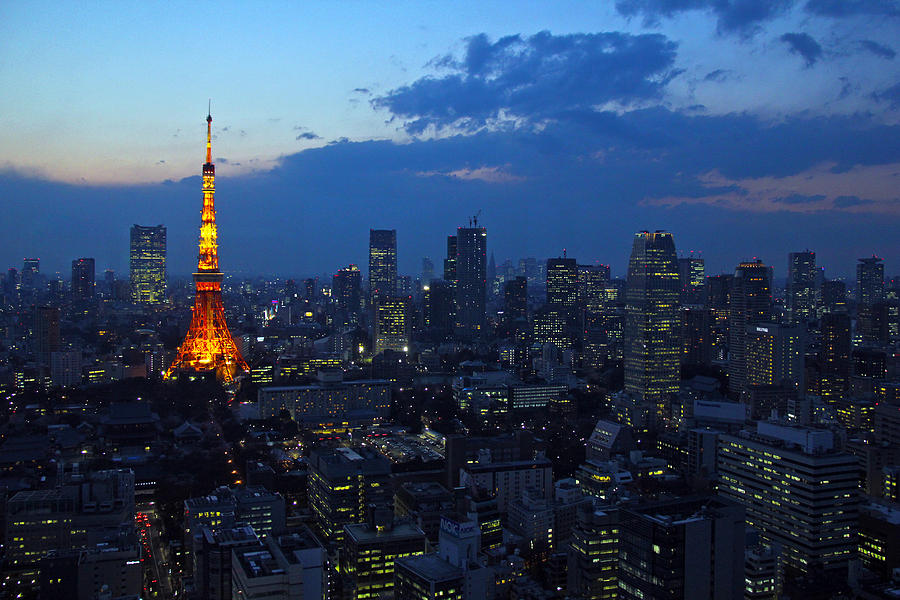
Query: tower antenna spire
209,134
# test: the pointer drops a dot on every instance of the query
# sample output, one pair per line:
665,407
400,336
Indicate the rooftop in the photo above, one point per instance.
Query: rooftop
430,567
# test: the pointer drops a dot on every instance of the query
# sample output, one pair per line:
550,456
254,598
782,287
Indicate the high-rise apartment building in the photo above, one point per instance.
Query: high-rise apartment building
148,264
471,274
653,321
750,303
82,278
382,262
801,286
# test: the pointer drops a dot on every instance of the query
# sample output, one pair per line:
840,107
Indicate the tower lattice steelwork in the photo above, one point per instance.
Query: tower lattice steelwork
208,345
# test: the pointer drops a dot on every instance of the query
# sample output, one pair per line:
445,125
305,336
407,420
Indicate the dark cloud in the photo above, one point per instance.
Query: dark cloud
799,199
362,91
848,201
804,45
878,49
534,78
849,8
732,16
602,164
308,135
717,75
890,96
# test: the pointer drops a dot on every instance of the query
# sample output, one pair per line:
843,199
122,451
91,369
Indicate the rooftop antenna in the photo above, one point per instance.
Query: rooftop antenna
475,218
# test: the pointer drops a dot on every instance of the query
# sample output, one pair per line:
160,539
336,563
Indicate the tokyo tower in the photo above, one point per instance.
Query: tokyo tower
208,345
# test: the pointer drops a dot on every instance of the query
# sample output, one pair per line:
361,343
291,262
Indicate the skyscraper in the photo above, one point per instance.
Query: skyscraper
450,261
750,303
208,345
346,292
427,270
30,269
801,286
652,325
835,365
775,355
691,273
869,292
82,278
799,490
382,262
869,281
562,286
148,264
392,324
471,274
515,299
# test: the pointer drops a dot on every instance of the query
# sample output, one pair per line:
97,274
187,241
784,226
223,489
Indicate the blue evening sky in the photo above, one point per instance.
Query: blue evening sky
746,127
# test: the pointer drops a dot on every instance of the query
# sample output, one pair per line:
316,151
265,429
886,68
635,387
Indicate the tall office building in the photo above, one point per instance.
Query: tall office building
450,261
652,324
869,292
30,269
593,556
775,355
392,324
750,303
515,299
799,492
82,278
370,550
691,275
427,270
593,281
562,286
342,482
834,295
148,264
382,262
835,364
437,308
45,332
869,281
471,274
345,290
685,548
801,286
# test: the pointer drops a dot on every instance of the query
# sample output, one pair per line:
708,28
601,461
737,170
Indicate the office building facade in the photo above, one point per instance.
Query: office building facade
147,260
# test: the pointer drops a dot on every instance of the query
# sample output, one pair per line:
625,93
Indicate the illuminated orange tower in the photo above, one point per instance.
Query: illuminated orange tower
208,345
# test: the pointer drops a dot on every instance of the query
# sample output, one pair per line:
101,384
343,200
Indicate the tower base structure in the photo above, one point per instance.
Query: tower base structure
208,345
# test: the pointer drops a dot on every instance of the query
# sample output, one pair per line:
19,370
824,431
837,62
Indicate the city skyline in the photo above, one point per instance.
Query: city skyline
744,133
